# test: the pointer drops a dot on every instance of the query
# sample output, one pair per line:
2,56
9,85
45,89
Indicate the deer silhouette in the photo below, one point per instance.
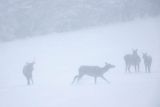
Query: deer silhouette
93,71
147,62
27,72
132,60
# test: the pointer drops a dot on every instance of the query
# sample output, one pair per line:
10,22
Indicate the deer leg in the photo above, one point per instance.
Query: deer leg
149,68
146,68
32,80
105,79
28,81
77,76
126,67
138,67
129,68
135,67
95,80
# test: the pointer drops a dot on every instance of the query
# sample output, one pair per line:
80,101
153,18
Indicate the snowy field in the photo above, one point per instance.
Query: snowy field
58,57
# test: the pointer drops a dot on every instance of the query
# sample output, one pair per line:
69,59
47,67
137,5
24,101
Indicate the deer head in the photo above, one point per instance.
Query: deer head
135,51
108,66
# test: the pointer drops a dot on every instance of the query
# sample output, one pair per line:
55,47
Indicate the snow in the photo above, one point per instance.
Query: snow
59,55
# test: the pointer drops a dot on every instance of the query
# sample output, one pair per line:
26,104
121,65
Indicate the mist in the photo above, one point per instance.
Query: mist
74,53
21,19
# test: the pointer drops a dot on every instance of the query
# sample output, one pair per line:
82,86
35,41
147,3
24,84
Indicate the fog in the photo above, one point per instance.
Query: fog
21,18
74,53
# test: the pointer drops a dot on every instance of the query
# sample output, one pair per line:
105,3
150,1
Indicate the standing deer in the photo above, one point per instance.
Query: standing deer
132,60
93,71
147,62
27,71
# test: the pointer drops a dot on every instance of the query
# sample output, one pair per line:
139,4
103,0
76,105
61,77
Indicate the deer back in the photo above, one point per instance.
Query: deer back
90,70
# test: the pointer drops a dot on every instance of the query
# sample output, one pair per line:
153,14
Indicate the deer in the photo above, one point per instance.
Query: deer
93,71
147,62
132,60
27,72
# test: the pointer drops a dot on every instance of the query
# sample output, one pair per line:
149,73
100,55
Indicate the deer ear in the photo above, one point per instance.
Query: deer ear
134,50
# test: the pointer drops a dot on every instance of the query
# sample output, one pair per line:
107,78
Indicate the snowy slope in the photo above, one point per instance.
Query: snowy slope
58,57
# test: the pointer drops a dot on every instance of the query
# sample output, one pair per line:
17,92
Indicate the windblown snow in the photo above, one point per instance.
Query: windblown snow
59,55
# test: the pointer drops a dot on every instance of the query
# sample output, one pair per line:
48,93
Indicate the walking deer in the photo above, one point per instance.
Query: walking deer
132,60
147,62
27,72
93,71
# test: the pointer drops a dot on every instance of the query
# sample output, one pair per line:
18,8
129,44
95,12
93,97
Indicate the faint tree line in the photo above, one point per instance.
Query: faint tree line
25,18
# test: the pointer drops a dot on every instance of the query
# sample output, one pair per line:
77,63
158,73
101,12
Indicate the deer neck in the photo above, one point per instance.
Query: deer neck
104,70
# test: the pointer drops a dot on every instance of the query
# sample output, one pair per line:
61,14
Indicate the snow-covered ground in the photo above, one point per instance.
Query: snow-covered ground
58,57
